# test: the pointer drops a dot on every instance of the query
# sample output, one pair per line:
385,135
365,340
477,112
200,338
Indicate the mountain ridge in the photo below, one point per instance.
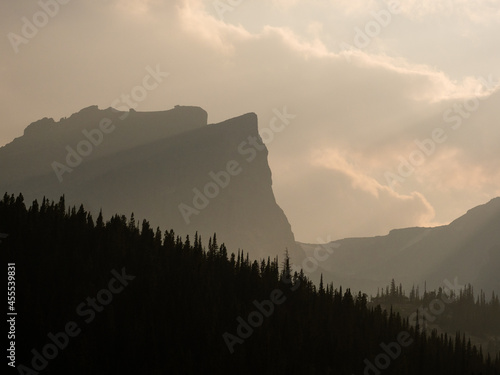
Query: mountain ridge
468,249
153,164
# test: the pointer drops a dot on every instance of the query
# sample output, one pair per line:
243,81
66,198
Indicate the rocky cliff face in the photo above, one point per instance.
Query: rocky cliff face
168,167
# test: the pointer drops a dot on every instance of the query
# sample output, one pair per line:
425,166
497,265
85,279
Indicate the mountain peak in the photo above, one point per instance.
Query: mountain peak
39,127
168,166
476,216
90,108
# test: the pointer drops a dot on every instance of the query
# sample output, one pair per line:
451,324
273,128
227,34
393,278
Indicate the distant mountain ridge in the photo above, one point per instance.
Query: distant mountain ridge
179,172
468,249
157,165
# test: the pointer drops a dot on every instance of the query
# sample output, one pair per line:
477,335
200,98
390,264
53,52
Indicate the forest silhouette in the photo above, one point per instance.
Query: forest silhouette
181,299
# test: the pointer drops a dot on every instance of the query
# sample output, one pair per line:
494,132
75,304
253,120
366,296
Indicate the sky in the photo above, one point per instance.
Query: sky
388,110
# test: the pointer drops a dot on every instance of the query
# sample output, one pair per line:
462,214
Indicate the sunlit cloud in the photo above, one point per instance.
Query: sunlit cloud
349,164
357,111
476,11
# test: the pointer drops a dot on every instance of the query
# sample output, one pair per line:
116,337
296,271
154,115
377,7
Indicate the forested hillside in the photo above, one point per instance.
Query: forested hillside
116,297
448,310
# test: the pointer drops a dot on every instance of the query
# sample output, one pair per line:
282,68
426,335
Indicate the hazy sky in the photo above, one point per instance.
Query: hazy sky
364,79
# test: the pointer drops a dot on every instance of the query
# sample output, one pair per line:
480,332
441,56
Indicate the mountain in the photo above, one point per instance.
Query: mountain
467,249
168,166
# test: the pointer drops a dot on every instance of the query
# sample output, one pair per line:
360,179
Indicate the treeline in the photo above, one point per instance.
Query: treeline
118,297
478,315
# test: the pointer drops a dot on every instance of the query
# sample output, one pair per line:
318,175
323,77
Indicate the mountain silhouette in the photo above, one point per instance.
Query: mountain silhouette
170,167
467,249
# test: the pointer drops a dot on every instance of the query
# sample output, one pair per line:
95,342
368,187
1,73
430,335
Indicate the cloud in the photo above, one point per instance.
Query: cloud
338,200
475,11
218,34
337,161
355,117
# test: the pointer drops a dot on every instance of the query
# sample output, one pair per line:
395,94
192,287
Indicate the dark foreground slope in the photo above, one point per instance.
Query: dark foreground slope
467,249
168,166
110,298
